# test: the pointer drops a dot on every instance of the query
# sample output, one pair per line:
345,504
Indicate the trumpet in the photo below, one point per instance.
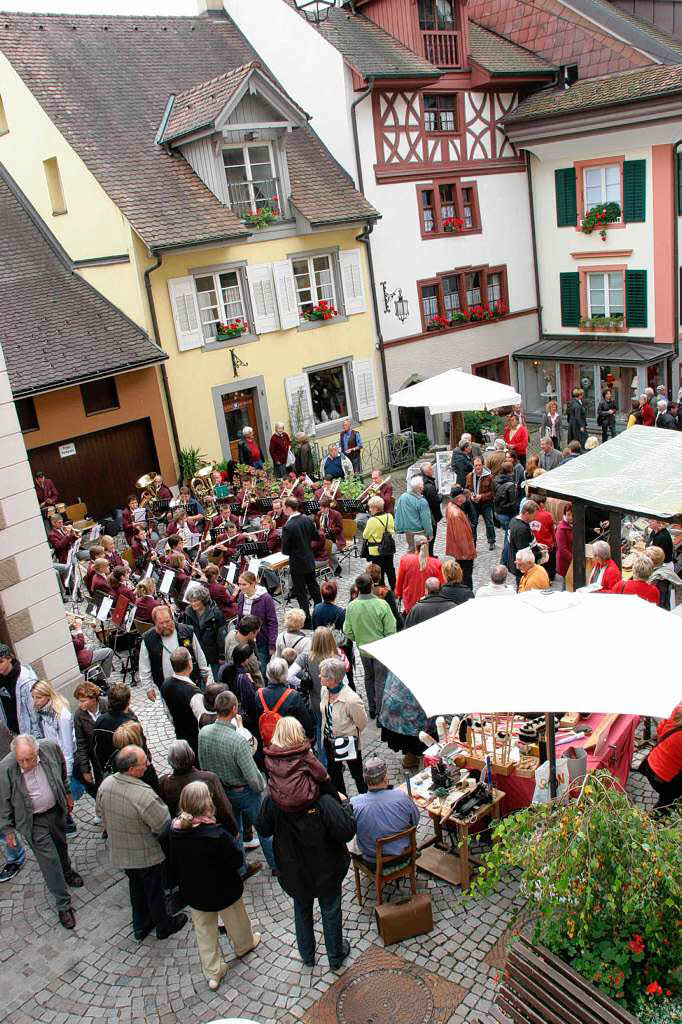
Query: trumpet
86,620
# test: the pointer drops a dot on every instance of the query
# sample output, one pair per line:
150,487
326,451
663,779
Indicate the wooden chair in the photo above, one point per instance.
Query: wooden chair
78,515
350,532
127,556
323,566
389,868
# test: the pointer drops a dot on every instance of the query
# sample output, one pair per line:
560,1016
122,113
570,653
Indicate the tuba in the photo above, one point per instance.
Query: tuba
201,487
148,487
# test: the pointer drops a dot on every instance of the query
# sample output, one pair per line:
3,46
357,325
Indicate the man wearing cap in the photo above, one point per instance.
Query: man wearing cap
459,539
381,811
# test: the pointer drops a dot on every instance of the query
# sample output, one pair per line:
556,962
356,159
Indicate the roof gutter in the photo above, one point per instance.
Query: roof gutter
364,237
164,373
534,242
676,264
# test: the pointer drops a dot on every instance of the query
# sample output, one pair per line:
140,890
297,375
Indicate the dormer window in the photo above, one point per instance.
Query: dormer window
438,26
251,180
436,15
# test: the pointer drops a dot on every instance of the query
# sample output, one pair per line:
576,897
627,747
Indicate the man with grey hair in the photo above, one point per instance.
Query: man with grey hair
663,418
135,818
177,692
381,811
550,457
412,512
605,573
35,799
227,753
497,456
432,604
531,575
498,583
460,463
475,448
182,761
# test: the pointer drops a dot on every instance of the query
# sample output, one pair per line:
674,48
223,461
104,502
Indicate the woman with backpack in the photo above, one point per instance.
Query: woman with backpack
277,699
323,646
379,537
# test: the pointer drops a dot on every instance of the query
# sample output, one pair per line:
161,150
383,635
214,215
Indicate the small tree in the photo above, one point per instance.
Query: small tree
603,881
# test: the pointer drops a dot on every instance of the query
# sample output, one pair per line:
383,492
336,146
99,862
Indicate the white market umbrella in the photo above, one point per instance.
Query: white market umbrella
456,391
582,651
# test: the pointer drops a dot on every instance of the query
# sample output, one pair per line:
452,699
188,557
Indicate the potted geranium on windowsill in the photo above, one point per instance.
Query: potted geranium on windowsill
453,224
438,323
598,217
233,329
260,216
323,311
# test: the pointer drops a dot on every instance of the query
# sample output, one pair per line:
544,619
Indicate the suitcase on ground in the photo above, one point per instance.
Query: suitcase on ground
404,919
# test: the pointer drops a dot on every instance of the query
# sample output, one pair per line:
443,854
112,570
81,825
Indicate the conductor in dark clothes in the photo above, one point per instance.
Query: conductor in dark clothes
177,692
298,534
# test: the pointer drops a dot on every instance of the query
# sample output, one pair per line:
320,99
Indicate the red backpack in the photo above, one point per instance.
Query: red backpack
267,723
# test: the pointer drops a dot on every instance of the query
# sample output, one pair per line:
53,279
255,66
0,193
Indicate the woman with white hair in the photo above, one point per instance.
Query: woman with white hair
642,568
248,449
279,448
279,697
412,512
292,635
343,719
605,573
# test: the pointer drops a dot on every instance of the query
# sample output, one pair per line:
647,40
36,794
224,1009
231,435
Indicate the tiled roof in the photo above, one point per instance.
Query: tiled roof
56,328
105,83
199,106
320,189
371,50
639,33
499,56
611,90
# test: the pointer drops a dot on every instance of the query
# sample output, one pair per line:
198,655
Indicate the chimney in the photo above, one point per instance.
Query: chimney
210,7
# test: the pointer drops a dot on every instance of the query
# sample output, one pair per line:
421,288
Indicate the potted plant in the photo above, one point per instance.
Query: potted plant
260,216
323,311
458,317
602,883
499,309
231,330
438,323
599,322
453,224
598,217
478,313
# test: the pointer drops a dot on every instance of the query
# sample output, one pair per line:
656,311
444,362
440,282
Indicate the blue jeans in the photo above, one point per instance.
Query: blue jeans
332,926
244,799
320,752
485,512
16,855
263,659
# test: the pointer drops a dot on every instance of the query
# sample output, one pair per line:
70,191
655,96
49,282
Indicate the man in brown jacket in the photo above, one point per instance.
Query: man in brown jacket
479,484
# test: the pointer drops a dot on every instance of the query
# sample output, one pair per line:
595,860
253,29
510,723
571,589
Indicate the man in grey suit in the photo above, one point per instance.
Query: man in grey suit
34,800
550,457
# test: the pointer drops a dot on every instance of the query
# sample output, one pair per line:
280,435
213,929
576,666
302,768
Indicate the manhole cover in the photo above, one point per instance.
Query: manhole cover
393,996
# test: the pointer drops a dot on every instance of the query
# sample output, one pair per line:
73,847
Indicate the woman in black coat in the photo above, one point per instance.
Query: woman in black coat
312,861
453,589
87,768
205,862
208,622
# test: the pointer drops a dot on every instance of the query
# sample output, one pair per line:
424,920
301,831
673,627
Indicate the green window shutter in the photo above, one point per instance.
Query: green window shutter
634,190
636,298
569,284
566,208
679,181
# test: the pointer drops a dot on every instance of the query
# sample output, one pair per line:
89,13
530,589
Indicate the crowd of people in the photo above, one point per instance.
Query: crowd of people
267,718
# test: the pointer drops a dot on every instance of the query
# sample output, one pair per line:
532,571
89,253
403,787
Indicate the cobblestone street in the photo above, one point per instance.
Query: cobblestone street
100,973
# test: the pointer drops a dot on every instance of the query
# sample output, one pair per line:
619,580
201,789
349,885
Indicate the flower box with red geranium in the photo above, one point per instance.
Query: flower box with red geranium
234,329
438,323
499,309
260,216
478,313
323,311
453,225
598,217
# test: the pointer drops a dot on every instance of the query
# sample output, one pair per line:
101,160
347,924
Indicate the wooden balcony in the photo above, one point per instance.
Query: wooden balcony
442,49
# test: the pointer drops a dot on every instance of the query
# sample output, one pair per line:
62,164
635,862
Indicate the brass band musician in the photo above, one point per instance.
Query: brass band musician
329,524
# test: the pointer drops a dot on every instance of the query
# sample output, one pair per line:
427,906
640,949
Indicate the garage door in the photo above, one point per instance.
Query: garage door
104,467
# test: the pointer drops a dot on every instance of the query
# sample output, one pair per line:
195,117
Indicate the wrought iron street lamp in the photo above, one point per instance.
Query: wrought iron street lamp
315,10
402,309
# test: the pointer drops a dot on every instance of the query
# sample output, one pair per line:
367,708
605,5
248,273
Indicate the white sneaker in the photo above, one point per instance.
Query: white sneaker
252,844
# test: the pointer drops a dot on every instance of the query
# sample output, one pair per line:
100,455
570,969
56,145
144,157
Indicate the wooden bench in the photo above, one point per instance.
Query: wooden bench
538,988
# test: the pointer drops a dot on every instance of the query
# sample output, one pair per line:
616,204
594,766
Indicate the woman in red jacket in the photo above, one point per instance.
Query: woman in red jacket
564,541
663,766
280,445
642,568
545,533
605,572
516,437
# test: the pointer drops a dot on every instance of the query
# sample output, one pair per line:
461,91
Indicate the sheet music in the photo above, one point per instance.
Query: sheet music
148,571
129,619
254,565
166,581
140,515
231,572
95,531
105,608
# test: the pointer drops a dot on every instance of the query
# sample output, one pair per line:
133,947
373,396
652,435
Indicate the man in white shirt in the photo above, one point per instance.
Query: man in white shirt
498,583
159,643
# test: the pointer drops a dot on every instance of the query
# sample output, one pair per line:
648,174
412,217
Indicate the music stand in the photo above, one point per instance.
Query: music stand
310,508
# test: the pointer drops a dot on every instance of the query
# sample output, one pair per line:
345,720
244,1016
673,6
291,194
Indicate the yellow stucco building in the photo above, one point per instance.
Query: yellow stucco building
188,188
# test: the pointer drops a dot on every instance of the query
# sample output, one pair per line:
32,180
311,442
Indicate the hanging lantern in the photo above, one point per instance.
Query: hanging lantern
315,10
402,309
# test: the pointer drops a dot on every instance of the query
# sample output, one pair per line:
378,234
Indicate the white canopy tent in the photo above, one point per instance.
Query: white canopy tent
587,652
456,391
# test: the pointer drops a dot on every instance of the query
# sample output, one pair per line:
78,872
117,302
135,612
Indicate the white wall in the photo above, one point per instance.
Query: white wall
556,244
306,65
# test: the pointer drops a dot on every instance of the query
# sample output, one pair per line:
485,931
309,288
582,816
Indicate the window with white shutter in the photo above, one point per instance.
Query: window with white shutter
365,393
285,289
351,279
183,301
263,298
300,403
